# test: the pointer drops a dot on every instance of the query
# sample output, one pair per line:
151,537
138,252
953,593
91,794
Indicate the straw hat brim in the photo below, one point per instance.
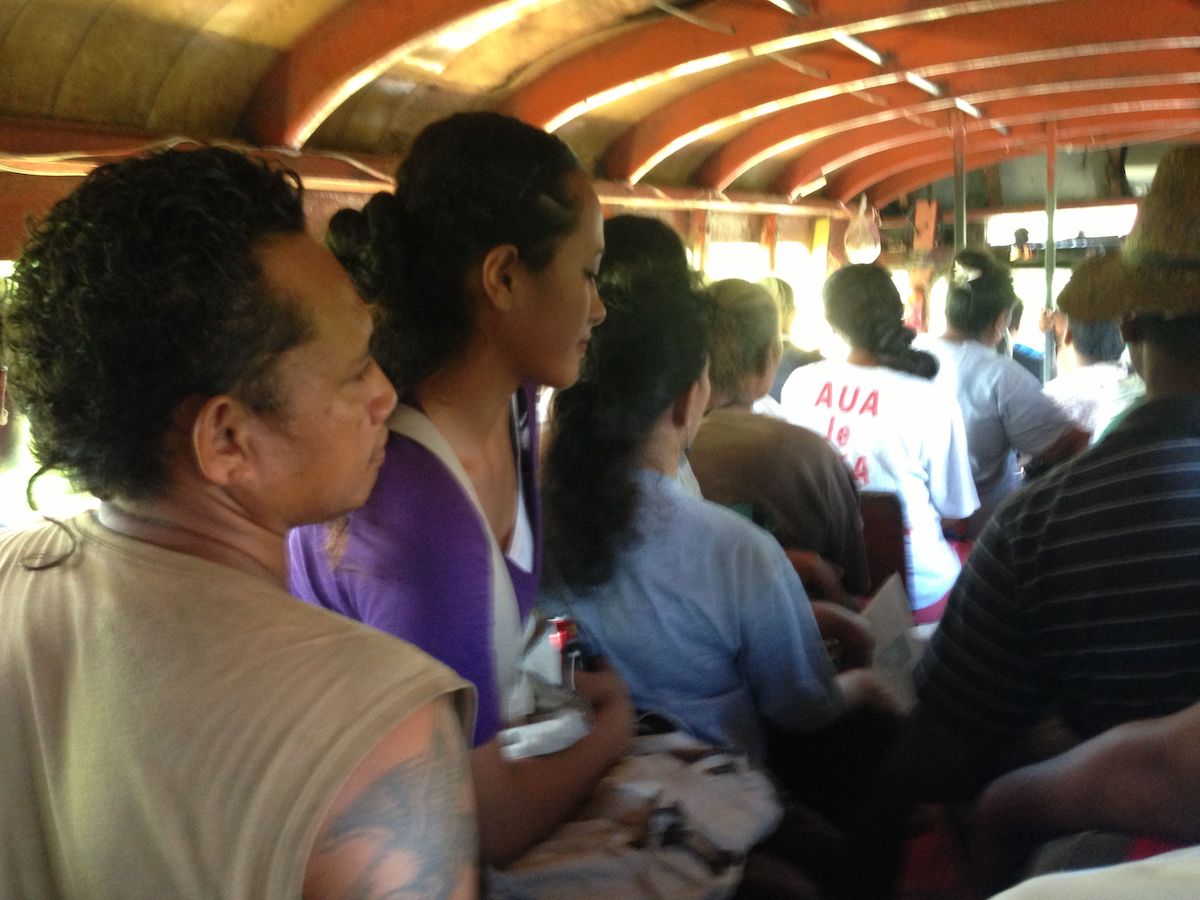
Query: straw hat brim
1113,287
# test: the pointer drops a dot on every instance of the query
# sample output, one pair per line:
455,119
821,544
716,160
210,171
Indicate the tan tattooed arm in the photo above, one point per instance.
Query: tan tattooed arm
403,824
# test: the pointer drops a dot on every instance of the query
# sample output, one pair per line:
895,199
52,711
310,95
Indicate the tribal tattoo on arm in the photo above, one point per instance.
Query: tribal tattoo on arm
411,832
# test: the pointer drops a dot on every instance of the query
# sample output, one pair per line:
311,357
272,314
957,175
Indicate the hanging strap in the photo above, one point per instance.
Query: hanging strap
508,642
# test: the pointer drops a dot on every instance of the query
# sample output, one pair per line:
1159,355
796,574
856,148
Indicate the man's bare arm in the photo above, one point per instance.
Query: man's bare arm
403,824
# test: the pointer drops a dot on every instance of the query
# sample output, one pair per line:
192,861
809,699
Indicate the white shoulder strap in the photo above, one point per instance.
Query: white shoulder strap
516,696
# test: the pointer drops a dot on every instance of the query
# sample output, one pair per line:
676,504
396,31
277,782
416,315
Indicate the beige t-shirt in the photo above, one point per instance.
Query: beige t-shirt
176,728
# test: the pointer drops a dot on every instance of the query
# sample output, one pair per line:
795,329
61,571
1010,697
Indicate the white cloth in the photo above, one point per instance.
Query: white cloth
1093,395
1170,876
1005,413
898,433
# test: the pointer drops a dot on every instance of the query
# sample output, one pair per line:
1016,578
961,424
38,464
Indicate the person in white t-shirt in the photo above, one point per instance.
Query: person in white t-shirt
1101,384
1003,407
881,410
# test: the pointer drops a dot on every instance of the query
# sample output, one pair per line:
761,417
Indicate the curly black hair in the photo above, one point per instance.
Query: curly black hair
469,183
862,303
138,290
651,347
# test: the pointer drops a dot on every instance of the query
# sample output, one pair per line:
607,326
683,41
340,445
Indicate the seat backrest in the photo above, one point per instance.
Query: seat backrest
883,534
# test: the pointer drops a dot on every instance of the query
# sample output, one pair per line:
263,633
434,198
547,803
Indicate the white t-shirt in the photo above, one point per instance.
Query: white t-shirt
1005,413
1094,395
899,433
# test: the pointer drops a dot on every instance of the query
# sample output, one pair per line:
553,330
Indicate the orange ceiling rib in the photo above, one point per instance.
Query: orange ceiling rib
335,58
845,149
744,99
786,132
886,176
672,49
894,186
754,94
642,53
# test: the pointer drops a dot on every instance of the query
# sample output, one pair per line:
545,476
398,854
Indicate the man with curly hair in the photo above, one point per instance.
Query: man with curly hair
176,725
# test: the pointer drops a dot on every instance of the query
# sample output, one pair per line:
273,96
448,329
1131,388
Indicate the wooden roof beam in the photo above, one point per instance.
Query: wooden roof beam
335,58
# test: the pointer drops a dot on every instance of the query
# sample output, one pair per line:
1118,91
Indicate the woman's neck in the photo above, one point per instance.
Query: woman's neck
469,401
860,356
663,447
727,399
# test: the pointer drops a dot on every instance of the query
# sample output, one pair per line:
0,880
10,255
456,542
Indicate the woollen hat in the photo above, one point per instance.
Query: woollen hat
1158,271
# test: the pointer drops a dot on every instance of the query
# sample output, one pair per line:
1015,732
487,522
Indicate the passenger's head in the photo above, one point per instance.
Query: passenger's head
1096,341
172,308
639,249
785,299
863,305
981,297
484,209
1153,285
646,367
745,344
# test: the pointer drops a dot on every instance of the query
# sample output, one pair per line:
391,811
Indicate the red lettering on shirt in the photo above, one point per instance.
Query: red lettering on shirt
825,398
843,404
871,404
860,471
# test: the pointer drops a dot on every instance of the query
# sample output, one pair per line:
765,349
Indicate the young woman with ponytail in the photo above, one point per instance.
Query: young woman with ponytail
895,429
481,266
1003,406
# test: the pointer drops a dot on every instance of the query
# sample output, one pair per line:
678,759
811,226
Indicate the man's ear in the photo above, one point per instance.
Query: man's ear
498,273
684,410
220,440
679,409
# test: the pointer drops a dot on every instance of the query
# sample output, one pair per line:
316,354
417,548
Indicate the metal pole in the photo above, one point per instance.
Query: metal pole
959,128
1048,359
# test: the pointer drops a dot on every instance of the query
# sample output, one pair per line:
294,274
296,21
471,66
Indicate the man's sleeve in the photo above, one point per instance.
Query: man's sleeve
980,672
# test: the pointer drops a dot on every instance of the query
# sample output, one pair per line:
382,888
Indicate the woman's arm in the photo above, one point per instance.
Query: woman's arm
521,801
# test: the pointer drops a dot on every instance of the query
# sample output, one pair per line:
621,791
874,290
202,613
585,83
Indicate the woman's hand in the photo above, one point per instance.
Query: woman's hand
608,694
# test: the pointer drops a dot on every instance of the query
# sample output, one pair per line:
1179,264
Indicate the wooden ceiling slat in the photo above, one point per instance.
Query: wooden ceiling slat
337,56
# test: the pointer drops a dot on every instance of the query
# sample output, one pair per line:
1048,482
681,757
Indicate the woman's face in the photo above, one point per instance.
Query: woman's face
559,305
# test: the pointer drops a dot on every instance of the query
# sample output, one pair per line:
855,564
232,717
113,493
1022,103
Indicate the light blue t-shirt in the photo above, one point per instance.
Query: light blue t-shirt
708,623
1005,412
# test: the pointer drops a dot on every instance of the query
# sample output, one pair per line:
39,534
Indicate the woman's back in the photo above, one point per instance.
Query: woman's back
897,433
707,621
1005,413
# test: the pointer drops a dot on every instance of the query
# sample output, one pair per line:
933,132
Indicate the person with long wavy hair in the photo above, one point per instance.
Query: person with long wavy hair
696,606
896,429
482,267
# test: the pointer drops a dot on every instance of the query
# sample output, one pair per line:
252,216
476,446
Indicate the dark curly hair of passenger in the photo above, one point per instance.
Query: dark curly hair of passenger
650,348
981,288
863,305
141,289
470,182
